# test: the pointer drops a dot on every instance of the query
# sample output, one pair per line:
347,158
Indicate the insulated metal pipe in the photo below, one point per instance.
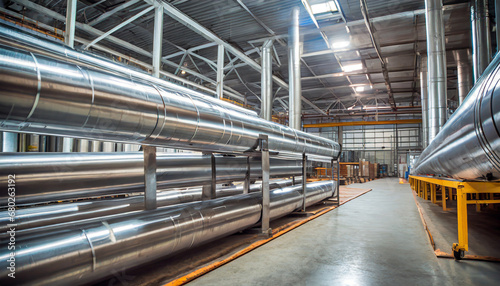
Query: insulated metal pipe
87,252
468,147
45,96
49,215
436,66
266,82
294,79
464,74
81,175
423,101
481,38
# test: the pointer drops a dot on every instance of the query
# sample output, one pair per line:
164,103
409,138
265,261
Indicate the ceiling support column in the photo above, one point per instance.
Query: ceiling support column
220,71
423,101
436,65
481,38
69,35
295,92
266,82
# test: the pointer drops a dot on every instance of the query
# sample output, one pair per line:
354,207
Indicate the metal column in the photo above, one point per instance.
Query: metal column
69,35
209,191
304,181
436,64
157,40
481,38
464,74
423,101
220,71
266,200
246,183
266,82
295,92
149,177
340,135
150,151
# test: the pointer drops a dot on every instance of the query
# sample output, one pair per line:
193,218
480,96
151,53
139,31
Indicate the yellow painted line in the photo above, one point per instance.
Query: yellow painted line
204,270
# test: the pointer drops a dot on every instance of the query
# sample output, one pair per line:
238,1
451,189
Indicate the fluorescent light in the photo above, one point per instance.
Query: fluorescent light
353,67
340,45
324,7
360,88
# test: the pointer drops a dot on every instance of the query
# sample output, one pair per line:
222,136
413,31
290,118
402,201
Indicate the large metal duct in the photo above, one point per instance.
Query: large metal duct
48,215
481,37
464,74
423,101
294,79
266,83
82,175
45,96
87,252
468,146
436,67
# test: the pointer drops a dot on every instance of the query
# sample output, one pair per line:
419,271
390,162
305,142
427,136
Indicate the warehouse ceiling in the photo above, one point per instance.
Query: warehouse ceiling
341,67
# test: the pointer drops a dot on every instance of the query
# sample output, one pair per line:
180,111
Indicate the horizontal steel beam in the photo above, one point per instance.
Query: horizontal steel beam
360,123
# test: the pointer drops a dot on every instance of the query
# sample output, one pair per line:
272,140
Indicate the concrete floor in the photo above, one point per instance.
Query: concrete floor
376,239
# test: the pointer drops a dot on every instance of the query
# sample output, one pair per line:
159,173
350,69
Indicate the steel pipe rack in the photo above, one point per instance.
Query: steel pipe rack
86,252
427,187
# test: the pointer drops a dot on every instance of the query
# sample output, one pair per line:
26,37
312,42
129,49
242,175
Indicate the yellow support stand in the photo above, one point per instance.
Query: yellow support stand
421,184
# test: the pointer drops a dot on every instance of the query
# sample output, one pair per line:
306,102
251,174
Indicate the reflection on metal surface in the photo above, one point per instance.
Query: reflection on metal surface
468,146
44,95
82,175
85,252
46,215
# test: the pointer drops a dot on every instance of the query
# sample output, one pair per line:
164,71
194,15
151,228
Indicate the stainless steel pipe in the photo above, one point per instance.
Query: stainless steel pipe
43,177
90,251
464,75
424,101
48,215
43,95
436,67
266,82
294,79
481,37
468,146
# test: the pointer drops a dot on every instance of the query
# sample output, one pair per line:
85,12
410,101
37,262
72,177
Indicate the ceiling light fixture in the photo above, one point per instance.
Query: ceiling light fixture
360,88
324,7
340,45
183,72
353,67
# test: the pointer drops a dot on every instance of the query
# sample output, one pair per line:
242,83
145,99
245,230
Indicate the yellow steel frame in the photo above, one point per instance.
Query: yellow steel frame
426,186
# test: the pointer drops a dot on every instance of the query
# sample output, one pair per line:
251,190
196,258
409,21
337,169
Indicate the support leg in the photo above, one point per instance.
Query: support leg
463,237
304,181
265,185
149,177
209,191
443,197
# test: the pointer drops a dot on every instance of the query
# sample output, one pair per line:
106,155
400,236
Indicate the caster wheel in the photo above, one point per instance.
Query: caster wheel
458,255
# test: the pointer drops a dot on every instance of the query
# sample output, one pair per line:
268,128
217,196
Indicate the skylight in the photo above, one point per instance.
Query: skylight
324,7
